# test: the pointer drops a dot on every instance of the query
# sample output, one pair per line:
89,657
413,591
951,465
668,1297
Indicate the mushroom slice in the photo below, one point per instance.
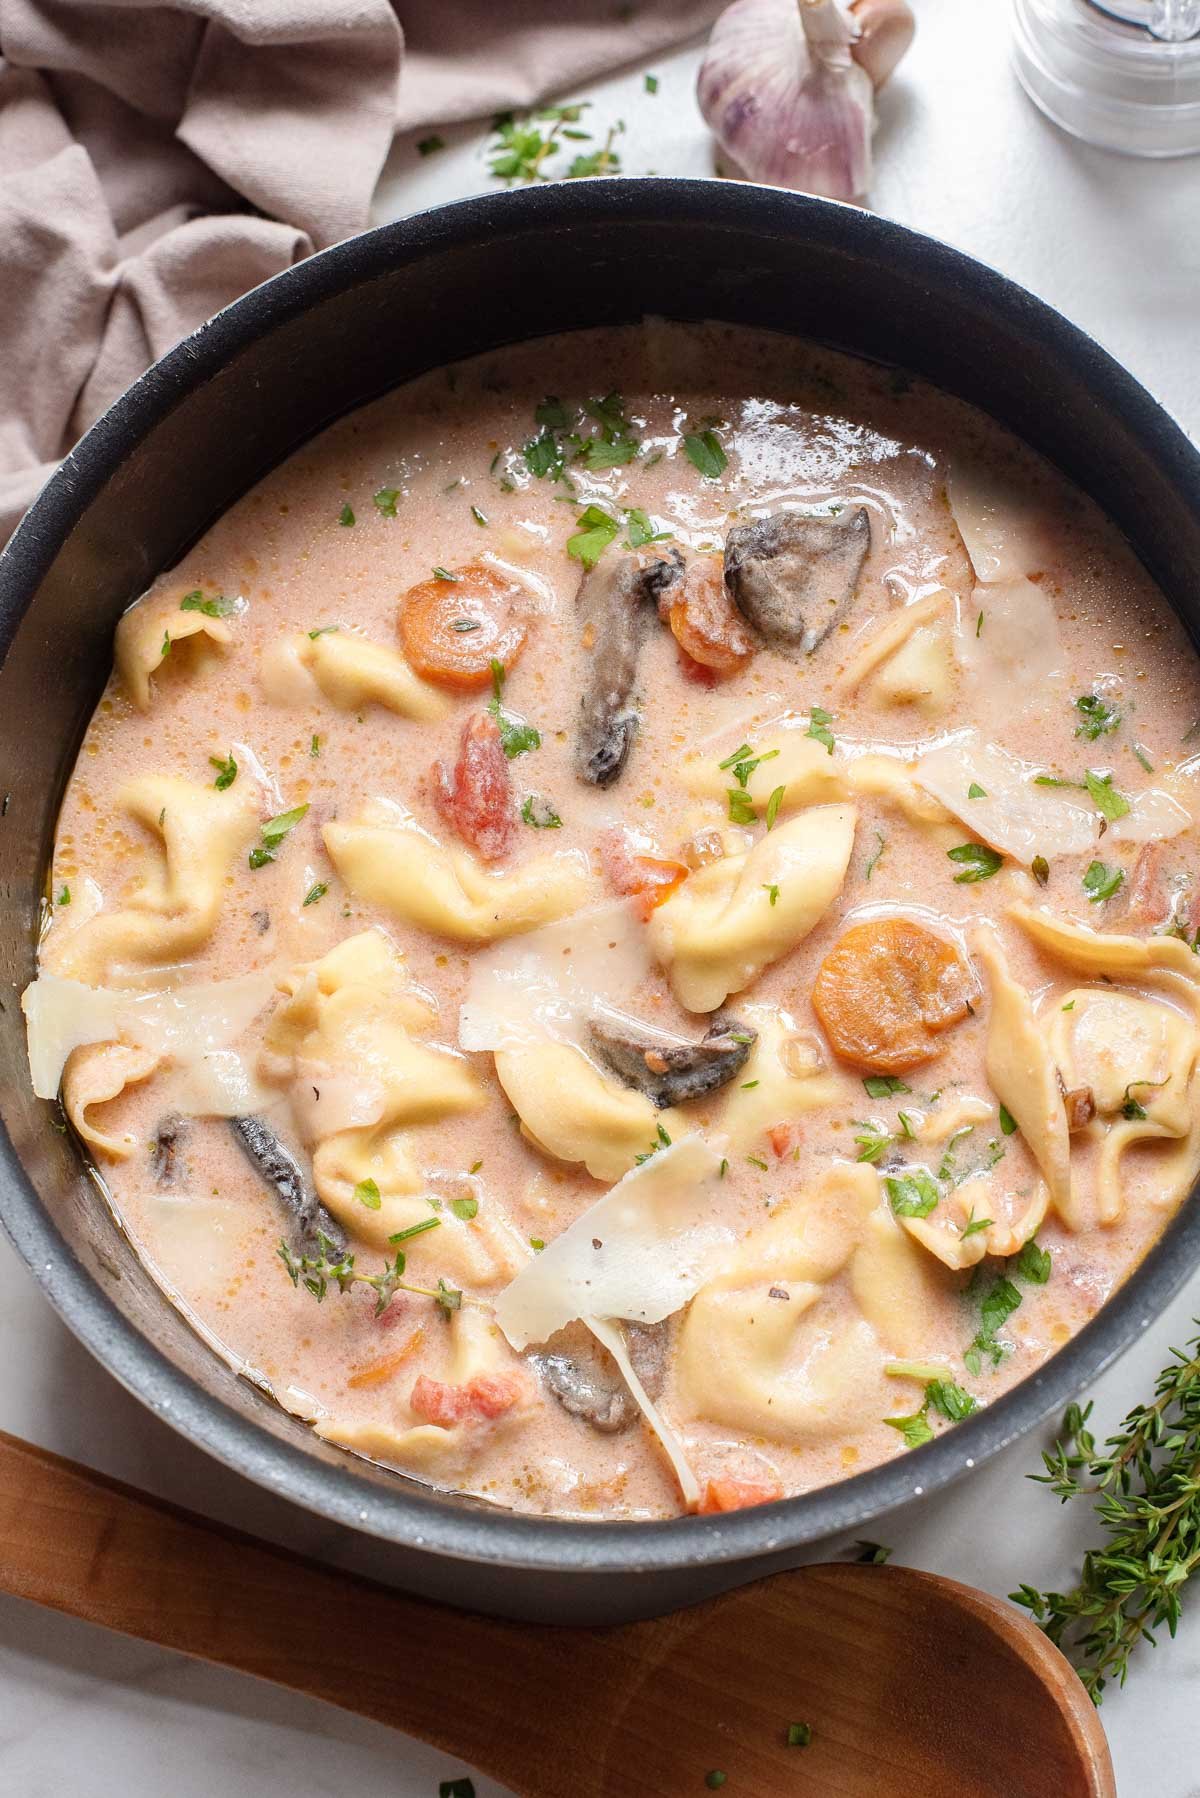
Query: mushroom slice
792,576
615,605
575,1373
281,1171
667,1068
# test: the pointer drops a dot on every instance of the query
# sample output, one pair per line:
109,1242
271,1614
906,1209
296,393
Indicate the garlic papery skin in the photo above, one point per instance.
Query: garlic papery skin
886,29
786,100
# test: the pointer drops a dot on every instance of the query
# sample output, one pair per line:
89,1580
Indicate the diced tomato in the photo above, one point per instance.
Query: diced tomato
782,1138
728,1494
476,798
1158,897
648,879
486,1395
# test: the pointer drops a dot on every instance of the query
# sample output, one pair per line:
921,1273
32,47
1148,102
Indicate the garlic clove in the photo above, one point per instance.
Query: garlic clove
785,98
886,29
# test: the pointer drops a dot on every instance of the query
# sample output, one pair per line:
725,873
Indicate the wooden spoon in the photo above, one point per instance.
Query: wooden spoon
913,1686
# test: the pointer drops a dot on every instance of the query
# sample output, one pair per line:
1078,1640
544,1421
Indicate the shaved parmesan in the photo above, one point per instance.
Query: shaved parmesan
194,1028
1014,815
544,983
641,1252
1010,649
1005,533
1152,816
614,1341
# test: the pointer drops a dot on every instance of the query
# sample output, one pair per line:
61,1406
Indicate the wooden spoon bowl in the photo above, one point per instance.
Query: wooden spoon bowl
913,1686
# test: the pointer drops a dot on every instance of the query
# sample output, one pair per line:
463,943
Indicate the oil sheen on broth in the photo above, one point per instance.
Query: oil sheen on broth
664,756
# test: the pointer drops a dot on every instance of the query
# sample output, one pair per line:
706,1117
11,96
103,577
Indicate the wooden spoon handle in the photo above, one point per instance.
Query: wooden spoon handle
912,1684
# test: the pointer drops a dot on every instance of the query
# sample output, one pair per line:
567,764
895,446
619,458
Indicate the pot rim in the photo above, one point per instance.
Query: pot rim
441,1524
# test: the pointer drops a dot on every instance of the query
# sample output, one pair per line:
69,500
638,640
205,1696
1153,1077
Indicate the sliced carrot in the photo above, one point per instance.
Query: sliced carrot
728,1494
453,630
705,623
886,991
649,879
374,1373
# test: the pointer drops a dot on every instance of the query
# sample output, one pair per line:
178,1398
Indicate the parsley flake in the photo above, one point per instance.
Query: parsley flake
705,453
1100,882
979,862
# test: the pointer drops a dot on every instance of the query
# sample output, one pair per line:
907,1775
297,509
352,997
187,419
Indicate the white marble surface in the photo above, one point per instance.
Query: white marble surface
1114,244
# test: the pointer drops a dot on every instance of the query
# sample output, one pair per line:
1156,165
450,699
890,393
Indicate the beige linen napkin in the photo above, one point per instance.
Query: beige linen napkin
156,160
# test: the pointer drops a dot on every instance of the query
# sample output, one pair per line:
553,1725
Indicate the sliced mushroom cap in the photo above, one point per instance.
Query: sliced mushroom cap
667,1068
585,1381
169,1135
615,606
792,577
281,1171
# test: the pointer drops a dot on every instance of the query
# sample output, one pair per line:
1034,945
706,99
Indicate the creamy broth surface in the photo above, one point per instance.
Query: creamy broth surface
857,1235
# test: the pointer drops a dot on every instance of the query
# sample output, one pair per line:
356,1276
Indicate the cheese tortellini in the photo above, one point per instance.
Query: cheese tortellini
149,635
780,1344
724,925
909,659
359,1084
351,672
572,1110
94,1076
176,897
387,859
785,1078
478,1350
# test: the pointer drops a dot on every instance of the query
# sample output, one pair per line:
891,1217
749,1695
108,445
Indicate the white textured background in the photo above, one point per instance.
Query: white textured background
1116,246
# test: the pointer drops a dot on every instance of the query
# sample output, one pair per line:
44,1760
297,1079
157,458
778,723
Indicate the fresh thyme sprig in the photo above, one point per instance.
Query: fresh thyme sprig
316,1273
1147,1493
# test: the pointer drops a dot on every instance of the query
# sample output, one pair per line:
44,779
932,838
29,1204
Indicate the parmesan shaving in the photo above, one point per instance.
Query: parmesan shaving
1013,814
544,983
641,1252
614,1341
194,1028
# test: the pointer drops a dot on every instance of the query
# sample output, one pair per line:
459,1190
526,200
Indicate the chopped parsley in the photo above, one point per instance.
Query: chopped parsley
226,771
216,607
772,893
741,806
975,791
444,574
914,1194
818,727
165,650
651,84
881,1086
799,1735
273,833
539,814
479,517
346,515
1139,751
429,146
64,898
999,1302
595,529
975,1224
427,1223
1008,1122
773,805
1104,796
536,1244
315,893
323,630
385,501
465,1209
1130,1107
715,1779
979,862
314,747
948,1398
915,1429
1096,716
367,1193
1101,882
979,625
543,454
1033,1263
639,529
705,453
873,861
872,1140
516,736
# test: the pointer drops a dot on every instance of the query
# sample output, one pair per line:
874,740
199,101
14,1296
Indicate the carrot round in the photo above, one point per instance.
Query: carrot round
704,622
886,991
454,629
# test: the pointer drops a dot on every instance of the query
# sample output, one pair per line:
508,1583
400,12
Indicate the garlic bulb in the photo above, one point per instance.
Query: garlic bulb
786,98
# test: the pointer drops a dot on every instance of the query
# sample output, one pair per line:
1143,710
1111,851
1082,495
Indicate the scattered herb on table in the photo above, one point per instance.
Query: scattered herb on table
1145,1484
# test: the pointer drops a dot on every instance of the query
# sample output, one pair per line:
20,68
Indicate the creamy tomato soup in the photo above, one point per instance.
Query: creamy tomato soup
621,936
